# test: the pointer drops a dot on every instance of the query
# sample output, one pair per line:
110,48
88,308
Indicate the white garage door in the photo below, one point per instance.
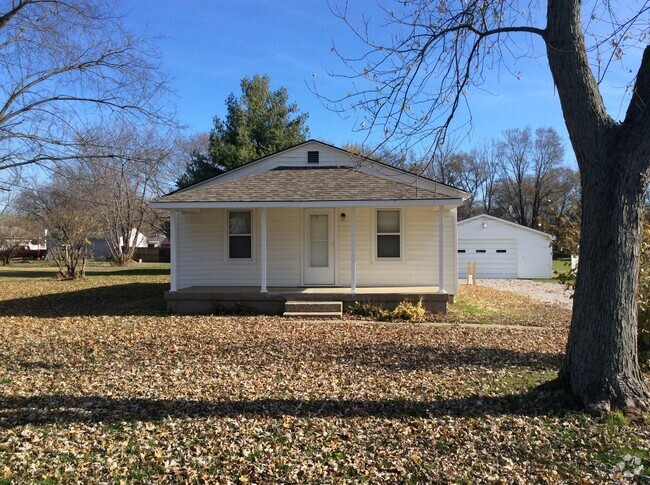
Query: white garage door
495,258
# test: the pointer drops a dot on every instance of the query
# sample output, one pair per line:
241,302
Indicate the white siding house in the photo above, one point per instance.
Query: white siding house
316,217
503,249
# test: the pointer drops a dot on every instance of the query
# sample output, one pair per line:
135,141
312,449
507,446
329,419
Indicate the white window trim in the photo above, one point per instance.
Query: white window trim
227,258
402,257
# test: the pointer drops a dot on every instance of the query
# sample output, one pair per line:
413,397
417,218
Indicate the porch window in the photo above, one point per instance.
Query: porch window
240,236
388,234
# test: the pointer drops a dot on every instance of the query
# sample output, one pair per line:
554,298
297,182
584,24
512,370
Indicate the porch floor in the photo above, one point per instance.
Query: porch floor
210,299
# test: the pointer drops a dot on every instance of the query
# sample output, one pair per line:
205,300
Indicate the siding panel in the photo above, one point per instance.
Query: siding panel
203,262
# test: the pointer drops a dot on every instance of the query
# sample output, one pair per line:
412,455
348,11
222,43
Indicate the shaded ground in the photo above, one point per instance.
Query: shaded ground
90,394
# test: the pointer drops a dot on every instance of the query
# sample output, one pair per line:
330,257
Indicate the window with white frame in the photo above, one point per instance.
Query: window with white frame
240,235
388,234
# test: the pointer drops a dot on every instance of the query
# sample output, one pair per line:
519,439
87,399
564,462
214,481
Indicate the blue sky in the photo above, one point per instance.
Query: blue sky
208,46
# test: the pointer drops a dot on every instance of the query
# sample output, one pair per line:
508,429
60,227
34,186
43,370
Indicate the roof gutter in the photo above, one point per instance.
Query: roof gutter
172,205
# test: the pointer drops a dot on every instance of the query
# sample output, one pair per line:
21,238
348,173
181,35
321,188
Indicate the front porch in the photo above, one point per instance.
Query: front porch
209,299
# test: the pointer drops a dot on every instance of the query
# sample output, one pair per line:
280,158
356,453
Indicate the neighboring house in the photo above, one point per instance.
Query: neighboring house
157,250
156,241
101,250
313,222
17,242
136,239
503,249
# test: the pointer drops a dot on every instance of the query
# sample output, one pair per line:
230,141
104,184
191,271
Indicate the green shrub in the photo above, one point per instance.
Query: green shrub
366,310
405,311
411,312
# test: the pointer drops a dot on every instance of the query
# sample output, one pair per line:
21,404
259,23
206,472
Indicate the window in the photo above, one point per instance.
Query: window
461,250
240,235
388,234
501,251
480,250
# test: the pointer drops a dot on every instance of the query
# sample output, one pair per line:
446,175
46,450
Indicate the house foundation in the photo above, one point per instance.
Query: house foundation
205,300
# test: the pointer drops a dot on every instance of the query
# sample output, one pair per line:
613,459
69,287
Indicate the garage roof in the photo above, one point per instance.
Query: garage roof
513,224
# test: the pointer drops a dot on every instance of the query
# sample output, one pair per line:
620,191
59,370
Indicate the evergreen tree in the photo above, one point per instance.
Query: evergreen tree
257,124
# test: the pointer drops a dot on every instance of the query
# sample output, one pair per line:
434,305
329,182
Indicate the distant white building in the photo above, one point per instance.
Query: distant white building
136,239
503,249
101,249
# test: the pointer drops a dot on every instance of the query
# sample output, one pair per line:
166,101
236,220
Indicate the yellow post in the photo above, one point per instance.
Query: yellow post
474,277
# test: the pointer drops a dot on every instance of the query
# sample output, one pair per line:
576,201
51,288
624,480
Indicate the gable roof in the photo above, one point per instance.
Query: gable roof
509,223
285,178
313,141
295,184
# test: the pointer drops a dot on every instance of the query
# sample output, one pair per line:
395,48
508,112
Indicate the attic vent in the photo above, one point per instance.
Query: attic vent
312,157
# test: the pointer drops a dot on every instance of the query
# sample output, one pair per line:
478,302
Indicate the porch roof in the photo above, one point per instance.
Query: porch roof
315,186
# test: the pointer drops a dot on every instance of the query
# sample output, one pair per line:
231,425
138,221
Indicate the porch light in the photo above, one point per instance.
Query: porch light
342,216
484,225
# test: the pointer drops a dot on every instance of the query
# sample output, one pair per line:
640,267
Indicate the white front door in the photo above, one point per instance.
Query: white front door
319,247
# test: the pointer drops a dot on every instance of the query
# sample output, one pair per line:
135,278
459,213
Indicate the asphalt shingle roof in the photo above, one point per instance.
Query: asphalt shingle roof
296,184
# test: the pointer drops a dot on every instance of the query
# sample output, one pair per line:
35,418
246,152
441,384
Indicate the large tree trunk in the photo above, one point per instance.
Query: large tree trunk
601,366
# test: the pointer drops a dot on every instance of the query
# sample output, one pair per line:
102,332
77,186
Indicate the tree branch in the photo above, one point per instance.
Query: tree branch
640,102
582,104
6,17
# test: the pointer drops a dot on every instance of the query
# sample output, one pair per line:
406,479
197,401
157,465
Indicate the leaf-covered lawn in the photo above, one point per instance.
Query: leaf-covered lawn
484,305
94,389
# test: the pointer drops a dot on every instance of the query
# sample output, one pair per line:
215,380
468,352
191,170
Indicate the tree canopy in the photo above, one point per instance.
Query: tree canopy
260,122
67,66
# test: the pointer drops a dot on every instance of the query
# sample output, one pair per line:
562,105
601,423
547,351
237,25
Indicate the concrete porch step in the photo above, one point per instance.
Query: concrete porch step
313,309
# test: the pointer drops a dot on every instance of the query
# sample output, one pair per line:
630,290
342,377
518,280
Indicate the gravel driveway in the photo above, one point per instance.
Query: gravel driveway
554,293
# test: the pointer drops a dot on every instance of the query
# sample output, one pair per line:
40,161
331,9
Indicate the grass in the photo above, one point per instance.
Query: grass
98,383
31,289
561,266
26,270
476,304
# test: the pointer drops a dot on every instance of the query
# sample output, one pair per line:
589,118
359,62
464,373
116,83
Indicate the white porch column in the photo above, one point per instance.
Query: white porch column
263,284
173,253
441,250
353,250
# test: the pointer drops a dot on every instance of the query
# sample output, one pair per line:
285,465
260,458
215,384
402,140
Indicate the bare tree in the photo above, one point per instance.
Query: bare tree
403,159
472,179
411,86
122,179
515,163
184,150
65,64
445,163
562,218
548,156
65,213
528,169
457,168
488,160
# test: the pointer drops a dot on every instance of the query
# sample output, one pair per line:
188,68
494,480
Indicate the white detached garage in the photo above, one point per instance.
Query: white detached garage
503,249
